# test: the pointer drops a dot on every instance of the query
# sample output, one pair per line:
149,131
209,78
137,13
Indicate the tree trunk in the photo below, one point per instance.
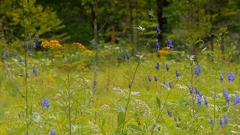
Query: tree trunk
160,4
131,27
94,15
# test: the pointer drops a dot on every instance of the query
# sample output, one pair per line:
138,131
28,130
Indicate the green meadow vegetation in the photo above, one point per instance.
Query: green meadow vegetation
183,85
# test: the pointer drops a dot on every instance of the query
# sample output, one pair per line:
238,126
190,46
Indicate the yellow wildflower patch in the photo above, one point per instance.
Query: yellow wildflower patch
50,79
51,45
58,56
88,52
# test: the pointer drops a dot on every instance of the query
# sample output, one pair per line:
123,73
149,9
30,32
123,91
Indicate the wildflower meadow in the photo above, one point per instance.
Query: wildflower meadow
46,88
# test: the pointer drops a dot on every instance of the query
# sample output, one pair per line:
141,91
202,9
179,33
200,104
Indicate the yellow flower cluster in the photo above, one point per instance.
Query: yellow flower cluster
88,52
66,65
77,46
50,79
51,45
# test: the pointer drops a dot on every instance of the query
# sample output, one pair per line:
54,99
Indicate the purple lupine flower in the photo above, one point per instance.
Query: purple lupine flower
157,66
34,45
27,75
231,77
7,54
179,118
221,121
157,46
227,98
126,56
35,72
205,100
169,43
199,100
37,37
20,59
170,85
149,79
236,99
29,36
198,92
53,132
45,103
197,70
155,78
191,91
26,46
225,119
221,77
211,121
169,113
15,53
167,67
177,74
175,118
158,30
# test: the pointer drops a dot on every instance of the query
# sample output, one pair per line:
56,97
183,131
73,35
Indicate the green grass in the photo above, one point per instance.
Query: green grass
101,113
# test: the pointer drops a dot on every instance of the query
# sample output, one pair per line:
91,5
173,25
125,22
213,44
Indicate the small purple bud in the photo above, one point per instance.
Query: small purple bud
179,118
34,46
221,77
177,74
211,121
225,119
169,113
221,121
7,54
167,67
126,56
155,78
205,100
198,92
231,77
226,96
45,103
26,46
199,100
53,132
35,72
157,66
27,75
175,119
157,46
197,70
170,85
158,30
37,37
164,83
149,79
236,99
191,91
29,36
20,59
169,43
15,53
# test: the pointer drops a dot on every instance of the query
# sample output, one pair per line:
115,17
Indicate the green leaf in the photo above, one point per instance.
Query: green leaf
120,108
158,101
121,118
135,128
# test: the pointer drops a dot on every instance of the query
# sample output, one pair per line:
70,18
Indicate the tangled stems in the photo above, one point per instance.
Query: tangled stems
131,83
161,108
